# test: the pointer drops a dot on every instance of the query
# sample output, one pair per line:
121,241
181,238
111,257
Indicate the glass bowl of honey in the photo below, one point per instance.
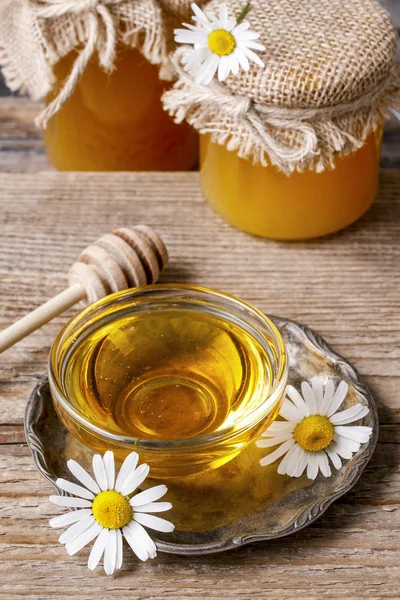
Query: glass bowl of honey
186,376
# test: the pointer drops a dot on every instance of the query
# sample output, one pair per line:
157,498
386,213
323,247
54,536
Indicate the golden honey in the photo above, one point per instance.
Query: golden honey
266,202
115,122
187,387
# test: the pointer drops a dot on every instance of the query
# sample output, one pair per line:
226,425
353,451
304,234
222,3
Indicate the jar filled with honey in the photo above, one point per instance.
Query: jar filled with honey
290,147
186,376
101,68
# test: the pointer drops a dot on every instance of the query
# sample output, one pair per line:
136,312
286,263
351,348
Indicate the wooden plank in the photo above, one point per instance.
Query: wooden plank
346,287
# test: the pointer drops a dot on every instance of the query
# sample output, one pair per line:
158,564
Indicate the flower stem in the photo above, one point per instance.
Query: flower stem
243,13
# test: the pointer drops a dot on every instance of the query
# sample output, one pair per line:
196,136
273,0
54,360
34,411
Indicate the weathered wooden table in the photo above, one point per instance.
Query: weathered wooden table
347,287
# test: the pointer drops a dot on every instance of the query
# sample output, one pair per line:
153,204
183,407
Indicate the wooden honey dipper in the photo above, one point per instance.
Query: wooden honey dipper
122,259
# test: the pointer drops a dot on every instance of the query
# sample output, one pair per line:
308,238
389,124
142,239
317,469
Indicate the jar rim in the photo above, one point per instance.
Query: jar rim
60,397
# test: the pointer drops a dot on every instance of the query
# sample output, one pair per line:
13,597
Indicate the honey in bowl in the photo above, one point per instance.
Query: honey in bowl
187,377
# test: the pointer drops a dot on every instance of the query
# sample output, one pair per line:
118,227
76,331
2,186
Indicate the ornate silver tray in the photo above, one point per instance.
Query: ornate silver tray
240,502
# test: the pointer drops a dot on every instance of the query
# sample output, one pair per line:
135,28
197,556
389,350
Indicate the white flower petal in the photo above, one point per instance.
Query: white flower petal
278,439
110,552
183,36
120,552
324,464
245,36
200,15
83,476
70,502
242,27
313,465
135,479
70,517
99,471
223,15
73,488
150,495
338,449
287,460
233,64
109,465
318,391
328,395
253,56
86,537
302,462
354,413
231,24
207,70
355,432
309,398
298,401
98,548
223,68
347,443
279,427
290,412
194,58
273,456
338,398
75,530
134,536
242,59
253,45
153,522
293,462
335,458
127,469
154,507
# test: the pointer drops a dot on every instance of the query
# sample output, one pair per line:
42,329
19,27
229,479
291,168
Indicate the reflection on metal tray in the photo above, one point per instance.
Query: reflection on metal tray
240,502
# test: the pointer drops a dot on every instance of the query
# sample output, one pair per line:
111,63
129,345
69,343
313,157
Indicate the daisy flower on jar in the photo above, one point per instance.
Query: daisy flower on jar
313,433
106,511
221,44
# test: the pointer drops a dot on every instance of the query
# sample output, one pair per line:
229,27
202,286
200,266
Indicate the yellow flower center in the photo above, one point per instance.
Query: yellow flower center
112,510
314,433
221,42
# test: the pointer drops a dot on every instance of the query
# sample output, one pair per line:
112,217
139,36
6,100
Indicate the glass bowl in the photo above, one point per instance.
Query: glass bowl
186,376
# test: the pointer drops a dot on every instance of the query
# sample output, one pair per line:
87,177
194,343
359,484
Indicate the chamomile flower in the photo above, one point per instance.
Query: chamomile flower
106,512
219,44
313,431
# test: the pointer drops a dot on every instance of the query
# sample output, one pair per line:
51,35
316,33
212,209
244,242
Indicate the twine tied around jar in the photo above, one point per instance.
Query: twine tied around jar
266,125
99,39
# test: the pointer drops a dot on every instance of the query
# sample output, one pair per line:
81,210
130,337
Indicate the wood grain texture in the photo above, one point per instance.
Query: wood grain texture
347,287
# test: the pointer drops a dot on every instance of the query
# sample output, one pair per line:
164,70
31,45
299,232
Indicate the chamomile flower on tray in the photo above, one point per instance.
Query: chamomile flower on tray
223,44
106,512
312,433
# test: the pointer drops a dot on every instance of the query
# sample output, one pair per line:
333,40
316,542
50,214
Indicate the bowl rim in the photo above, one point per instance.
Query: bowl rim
178,444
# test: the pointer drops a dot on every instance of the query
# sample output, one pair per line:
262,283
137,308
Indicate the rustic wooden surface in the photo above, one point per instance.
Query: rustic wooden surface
346,287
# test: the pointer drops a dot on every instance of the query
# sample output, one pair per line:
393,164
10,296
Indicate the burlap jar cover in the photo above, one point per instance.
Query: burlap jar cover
36,34
330,74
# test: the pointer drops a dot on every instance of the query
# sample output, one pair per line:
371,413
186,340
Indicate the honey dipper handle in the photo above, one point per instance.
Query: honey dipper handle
41,315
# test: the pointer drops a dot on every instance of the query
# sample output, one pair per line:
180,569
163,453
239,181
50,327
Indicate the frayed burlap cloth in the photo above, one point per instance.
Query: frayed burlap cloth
329,76
35,34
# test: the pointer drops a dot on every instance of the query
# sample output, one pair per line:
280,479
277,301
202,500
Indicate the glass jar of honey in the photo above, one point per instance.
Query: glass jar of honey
101,68
290,146
115,122
186,376
264,201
